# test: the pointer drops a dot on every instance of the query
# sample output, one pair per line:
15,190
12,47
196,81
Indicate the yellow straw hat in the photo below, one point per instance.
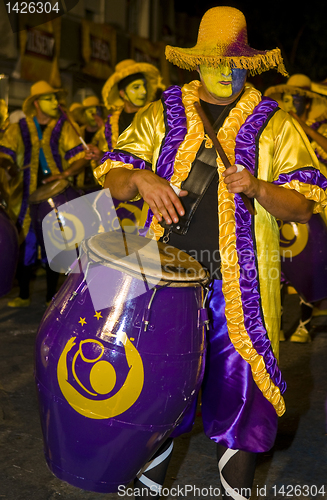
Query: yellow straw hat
40,88
127,67
77,110
299,84
222,39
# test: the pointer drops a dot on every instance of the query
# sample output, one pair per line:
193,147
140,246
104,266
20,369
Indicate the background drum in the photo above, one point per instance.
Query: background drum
9,249
303,249
59,232
114,382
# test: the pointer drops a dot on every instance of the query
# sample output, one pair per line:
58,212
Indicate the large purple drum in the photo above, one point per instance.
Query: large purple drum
119,358
303,249
9,249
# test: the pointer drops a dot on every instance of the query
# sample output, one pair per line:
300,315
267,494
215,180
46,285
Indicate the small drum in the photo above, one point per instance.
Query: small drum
115,378
58,232
9,249
303,249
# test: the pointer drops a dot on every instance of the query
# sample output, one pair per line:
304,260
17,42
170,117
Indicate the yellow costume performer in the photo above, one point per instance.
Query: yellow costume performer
273,164
39,146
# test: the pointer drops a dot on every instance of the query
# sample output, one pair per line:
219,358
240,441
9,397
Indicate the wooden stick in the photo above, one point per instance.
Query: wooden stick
211,133
73,127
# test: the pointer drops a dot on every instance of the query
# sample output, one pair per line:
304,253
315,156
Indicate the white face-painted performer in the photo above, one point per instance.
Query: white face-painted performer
167,146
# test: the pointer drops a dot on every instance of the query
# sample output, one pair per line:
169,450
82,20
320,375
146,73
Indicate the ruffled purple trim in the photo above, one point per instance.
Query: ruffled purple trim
73,152
54,142
245,147
245,154
8,152
305,175
108,133
125,157
176,129
26,136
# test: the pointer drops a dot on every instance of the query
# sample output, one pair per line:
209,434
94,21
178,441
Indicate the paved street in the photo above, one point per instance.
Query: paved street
299,457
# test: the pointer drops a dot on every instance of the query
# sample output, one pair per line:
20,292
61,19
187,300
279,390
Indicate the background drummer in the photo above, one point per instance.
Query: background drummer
161,147
128,89
309,109
38,147
90,116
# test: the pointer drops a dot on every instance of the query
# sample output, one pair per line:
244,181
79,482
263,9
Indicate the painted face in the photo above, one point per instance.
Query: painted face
89,114
49,104
295,103
136,92
223,81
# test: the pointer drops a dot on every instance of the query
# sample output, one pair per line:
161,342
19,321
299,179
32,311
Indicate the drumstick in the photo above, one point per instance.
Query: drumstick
211,133
73,127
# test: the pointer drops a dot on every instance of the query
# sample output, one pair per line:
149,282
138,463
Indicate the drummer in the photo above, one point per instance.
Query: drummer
61,153
90,115
242,388
309,109
128,89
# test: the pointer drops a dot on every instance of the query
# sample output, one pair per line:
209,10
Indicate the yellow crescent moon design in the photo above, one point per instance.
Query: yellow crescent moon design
68,238
128,224
114,405
293,238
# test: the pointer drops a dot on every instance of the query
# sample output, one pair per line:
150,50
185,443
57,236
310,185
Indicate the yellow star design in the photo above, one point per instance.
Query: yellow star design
82,321
97,315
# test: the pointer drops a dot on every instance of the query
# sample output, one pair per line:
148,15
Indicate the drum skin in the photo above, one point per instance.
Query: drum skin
110,390
9,248
303,249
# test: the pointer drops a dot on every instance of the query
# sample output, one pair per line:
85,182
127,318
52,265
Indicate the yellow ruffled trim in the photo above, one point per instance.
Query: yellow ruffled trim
114,122
227,227
189,59
311,192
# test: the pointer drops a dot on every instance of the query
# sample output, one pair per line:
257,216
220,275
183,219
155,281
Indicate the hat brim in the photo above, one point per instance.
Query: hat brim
28,107
318,105
234,56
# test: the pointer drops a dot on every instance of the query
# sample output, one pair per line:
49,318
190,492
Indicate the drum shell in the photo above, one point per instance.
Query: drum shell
307,270
99,455
9,248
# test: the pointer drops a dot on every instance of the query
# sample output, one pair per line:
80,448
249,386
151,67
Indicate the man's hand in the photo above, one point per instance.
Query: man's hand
282,203
241,182
159,195
93,153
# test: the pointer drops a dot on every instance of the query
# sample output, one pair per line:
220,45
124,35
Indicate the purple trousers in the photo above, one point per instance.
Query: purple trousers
235,413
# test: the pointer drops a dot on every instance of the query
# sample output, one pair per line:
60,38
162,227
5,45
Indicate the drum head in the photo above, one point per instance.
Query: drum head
154,259
49,190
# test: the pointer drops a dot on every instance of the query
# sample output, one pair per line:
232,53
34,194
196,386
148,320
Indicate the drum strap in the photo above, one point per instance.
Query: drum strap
42,160
203,171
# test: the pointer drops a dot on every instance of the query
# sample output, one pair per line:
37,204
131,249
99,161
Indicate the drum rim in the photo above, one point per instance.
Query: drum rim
41,200
91,255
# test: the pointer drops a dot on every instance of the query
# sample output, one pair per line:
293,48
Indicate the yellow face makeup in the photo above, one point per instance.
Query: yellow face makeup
288,104
49,105
89,114
136,93
217,80
223,82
